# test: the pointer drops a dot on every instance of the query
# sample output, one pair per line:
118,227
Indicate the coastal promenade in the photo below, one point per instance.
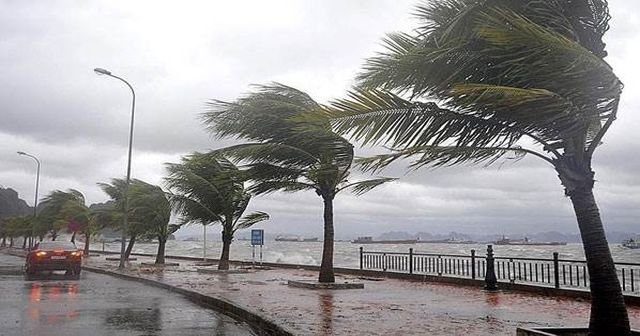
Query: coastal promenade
385,306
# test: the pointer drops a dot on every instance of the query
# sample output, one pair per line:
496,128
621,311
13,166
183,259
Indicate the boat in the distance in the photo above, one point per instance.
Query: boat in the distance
525,241
447,241
296,239
631,243
369,240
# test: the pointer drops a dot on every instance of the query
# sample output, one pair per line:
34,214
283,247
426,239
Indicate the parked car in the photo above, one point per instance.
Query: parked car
54,256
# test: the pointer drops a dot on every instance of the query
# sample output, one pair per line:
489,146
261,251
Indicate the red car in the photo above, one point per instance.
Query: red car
54,256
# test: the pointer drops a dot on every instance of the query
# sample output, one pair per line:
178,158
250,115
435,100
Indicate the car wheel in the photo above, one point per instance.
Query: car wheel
74,273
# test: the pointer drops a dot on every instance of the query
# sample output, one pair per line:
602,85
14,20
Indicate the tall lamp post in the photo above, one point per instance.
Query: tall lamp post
35,201
125,222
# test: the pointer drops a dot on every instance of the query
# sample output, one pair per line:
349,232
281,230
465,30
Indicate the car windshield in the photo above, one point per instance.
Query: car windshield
57,245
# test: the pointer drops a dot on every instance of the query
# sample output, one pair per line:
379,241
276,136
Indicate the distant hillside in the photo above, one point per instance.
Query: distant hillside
12,205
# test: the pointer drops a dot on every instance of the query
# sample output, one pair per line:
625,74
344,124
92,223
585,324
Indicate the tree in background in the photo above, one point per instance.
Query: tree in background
289,152
51,217
149,203
115,190
67,210
206,189
15,227
502,77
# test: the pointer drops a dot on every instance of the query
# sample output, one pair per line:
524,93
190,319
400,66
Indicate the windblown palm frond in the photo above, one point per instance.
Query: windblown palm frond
437,156
492,72
251,219
361,187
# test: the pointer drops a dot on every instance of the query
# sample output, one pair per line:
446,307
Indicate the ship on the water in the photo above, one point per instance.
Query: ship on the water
296,239
447,241
631,243
369,240
525,241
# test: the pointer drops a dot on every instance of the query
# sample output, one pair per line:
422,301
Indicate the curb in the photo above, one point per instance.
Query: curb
259,324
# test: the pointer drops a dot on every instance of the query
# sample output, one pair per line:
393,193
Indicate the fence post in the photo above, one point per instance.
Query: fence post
473,264
411,260
361,261
556,270
490,280
384,262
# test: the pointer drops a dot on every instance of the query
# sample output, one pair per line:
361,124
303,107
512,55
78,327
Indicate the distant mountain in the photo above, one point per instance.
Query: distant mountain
396,235
551,236
12,205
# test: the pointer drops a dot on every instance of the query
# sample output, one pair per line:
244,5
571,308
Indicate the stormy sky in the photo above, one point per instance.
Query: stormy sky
179,55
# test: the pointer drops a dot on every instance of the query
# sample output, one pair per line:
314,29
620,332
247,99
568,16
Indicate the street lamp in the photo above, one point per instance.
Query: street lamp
125,222
35,201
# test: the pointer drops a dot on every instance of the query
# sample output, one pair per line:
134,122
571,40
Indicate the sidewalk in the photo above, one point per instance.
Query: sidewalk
386,307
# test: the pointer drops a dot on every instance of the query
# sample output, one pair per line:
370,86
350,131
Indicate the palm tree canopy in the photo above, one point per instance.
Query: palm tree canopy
209,188
138,195
289,152
150,205
61,208
480,75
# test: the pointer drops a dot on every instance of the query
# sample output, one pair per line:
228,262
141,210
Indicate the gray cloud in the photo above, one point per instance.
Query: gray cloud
180,56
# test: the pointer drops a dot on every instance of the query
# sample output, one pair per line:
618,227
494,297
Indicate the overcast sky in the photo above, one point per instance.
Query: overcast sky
179,55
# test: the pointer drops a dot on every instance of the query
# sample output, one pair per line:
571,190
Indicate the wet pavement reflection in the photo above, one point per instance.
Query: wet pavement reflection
326,307
102,305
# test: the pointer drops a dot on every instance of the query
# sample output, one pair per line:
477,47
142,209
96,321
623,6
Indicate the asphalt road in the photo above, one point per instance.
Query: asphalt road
100,305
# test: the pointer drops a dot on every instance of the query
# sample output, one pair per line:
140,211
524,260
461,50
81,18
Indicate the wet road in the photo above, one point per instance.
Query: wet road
101,305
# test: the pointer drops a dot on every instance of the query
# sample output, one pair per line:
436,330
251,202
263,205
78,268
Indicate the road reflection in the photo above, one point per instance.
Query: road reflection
326,307
146,319
52,302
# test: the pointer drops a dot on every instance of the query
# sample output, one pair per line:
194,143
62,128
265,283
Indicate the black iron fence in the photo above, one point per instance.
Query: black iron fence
552,272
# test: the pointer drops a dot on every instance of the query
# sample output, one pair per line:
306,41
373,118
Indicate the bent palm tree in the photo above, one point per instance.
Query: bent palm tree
482,77
289,153
208,189
67,209
138,224
149,203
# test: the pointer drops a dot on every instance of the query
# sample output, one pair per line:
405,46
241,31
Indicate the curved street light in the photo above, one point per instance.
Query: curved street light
35,201
125,221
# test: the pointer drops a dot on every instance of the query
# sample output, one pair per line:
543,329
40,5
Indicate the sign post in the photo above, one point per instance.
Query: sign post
257,238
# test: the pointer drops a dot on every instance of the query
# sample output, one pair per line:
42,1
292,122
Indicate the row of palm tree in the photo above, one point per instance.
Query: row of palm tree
205,188
476,82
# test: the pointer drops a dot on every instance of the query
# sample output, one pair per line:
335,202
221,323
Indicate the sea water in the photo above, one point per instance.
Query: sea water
346,254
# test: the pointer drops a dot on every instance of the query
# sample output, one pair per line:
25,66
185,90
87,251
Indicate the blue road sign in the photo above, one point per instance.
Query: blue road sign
257,237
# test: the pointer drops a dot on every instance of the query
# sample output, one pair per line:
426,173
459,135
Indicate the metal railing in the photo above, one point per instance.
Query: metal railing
552,272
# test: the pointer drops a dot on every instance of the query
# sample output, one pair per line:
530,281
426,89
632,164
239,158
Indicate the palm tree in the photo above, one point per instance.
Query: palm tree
208,188
289,152
487,79
14,227
67,209
52,205
149,202
137,224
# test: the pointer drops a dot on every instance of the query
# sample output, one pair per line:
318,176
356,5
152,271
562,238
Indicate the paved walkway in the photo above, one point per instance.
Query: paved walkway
387,307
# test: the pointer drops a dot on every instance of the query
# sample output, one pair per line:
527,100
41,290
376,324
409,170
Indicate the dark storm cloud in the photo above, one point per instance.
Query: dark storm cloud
179,56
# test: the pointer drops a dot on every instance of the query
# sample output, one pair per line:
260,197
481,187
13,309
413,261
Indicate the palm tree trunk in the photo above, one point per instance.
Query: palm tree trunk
226,245
162,243
608,310
73,237
86,243
24,242
127,252
4,242
326,266
11,242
